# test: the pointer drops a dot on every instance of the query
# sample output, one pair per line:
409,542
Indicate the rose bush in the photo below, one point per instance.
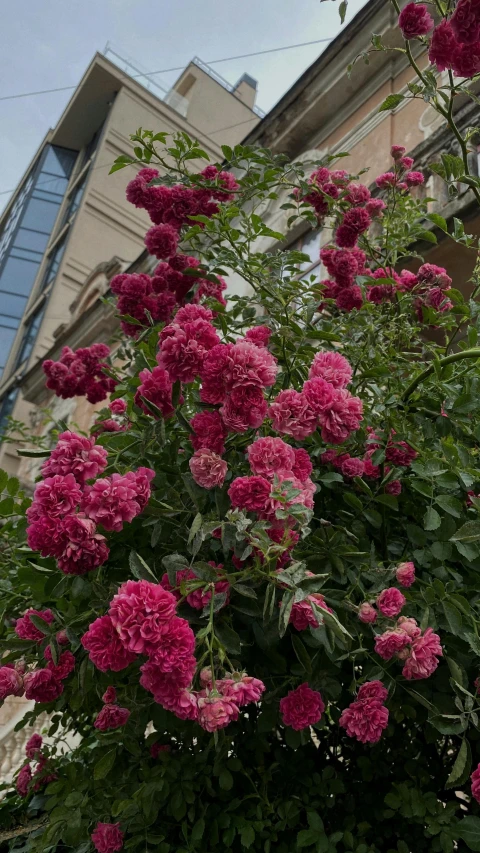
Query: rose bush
254,598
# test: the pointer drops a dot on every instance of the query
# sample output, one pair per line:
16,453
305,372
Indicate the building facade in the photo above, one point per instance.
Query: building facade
68,215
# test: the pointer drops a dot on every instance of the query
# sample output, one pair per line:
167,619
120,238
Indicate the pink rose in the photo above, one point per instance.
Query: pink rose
405,574
110,696
107,837
216,712
33,746
42,686
267,456
26,630
301,707
208,469
475,777
423,658
367,613
415,20
140,612
250,493
77,455
388,644
111,717
390,602
11,682
106,651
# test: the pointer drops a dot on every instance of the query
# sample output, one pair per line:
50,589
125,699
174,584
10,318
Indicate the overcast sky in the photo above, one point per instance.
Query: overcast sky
53,44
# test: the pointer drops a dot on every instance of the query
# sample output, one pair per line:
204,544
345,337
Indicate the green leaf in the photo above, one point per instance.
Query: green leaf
428,236
228,638
3,479
301,653
306,838
391,101
247,835
285,610
103,767
469,830
461,769
450,505
225,780
40,623
454,617
431,519
469,532
198,830
195,528
439,221
139,568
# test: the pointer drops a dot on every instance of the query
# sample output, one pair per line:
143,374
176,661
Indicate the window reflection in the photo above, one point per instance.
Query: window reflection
29,336
53,264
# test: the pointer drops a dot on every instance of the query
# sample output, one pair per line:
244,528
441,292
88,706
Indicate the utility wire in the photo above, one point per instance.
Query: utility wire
175,68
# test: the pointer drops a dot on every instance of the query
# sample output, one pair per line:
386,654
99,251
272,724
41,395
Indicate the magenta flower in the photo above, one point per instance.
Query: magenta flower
107,837
106,651
208,469
111,717
390,602
415,20
301,707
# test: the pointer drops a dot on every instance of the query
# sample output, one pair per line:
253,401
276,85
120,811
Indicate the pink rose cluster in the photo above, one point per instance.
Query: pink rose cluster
418,651
401,178
475,778
343,266
302,707
195,591
173,206
455,43
80,373
391,601
185,343
40,685
66,508
324,402
280,479
158,295
367,717
142,620
31,781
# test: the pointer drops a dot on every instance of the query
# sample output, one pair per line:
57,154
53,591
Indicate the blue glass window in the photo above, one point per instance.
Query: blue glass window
53,264
6,407
6,340
29,336
27,231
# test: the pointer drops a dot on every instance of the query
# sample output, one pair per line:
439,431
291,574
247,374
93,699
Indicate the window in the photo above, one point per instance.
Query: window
26,234
308,244
17,276
53,263
7,337
6,407
29,336
74,201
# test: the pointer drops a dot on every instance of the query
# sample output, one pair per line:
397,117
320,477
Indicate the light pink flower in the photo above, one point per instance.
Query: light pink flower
292,414
117,407
106,651
389,643
301,707
332,367
423,658
409,626
268,455
390,602
343,418
243,689
405,574
216,712
111,717
367,613
208,469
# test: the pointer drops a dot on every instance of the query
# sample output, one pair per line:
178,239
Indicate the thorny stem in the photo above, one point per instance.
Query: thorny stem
442,362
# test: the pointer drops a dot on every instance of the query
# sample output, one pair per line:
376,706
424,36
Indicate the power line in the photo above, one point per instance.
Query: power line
108,165
175,68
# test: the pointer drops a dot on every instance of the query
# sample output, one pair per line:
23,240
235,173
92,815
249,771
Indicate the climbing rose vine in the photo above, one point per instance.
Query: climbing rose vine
248,599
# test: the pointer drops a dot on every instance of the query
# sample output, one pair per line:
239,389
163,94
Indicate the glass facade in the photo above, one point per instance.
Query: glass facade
29,335
25,237
6,408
